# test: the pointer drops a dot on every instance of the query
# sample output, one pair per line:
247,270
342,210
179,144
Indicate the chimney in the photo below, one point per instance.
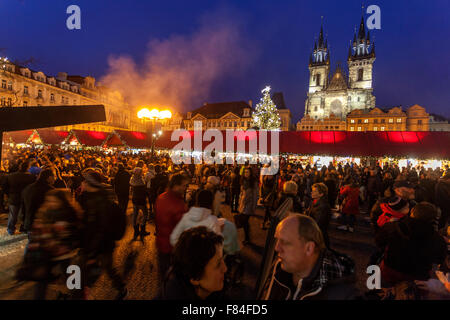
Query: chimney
62,76
250,103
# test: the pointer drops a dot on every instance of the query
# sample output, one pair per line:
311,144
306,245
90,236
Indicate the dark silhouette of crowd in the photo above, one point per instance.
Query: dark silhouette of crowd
73,206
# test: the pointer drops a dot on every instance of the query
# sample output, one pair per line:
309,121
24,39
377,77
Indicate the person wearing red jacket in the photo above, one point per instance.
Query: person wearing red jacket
349,192
169,208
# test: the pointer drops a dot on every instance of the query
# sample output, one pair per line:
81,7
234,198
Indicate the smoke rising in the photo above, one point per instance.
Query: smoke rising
182,69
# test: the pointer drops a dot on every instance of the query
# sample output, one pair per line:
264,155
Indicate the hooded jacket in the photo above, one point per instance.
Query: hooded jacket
195,217
332,278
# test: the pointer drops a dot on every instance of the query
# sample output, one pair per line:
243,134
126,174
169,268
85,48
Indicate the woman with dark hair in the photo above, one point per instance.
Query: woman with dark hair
247,200
198,269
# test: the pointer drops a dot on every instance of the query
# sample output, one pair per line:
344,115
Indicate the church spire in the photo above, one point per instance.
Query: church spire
321,52
362,30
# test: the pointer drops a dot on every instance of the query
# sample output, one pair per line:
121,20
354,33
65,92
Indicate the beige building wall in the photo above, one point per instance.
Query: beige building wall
377,120
418,119
331,123
21,86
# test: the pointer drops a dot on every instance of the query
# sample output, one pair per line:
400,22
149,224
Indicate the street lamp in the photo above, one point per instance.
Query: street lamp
154,115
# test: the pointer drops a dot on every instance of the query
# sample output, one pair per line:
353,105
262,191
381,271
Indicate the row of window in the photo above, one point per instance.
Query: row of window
398,120
326,127
374,129
215,124
9,86
52,82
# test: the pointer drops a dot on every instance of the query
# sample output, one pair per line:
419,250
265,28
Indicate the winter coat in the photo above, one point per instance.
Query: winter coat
350,204
442,200
374,185
169,208
248,198
96,219
195,217
33,197
320,211
411,248
269,190
15,184
138,189
296,204
332,278
122,184
158,185
332,191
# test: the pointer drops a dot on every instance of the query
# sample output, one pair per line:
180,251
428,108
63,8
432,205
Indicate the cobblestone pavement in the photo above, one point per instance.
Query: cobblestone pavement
137,261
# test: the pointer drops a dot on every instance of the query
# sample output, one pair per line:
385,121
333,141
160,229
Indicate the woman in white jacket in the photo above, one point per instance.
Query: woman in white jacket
198,215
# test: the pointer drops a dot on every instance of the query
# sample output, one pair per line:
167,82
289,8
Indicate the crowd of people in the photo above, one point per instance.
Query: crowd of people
73,205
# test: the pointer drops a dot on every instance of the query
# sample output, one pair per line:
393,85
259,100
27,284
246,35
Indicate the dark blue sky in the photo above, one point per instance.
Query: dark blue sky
275,38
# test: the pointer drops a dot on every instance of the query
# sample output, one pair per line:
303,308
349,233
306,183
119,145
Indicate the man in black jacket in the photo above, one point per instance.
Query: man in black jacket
305,268
122,187
14,185
412,246
34,196
442,198
320,209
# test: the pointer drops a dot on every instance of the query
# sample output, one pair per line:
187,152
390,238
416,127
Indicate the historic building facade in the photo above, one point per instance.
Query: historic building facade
331,123
439,123
21,86
395,119
235,115
341,93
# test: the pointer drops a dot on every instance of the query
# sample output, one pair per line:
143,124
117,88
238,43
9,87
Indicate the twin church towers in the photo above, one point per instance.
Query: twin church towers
341,93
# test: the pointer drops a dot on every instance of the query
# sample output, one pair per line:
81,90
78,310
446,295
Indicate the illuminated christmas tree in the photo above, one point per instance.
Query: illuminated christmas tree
266,114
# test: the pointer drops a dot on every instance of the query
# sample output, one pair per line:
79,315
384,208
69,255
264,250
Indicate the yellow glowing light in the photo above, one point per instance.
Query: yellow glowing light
144,113
154,114
165,114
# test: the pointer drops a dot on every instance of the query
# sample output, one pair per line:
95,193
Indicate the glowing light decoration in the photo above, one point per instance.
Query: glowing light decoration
266,114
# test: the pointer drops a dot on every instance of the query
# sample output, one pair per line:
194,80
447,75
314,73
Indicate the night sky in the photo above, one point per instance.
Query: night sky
254,43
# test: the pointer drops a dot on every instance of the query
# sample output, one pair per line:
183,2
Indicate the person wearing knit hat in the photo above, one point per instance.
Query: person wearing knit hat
394,210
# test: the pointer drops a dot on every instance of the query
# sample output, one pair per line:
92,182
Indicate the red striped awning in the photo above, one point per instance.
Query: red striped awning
412,144
87,138
49,136
132,139
20,137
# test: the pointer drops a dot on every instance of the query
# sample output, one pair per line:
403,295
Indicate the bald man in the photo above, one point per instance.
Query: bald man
305,268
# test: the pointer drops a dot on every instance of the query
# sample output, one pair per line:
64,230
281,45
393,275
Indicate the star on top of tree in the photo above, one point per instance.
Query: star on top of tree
266,89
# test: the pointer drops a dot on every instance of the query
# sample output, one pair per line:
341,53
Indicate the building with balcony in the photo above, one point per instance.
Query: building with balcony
22,86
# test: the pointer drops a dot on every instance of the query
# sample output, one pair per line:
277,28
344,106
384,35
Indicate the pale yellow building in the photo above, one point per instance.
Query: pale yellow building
225,115
21,86
377,120
395,119
418,119
331,123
